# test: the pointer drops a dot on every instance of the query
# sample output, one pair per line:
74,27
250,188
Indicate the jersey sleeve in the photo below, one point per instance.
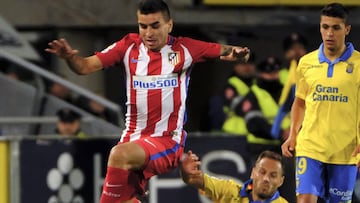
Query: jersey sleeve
301,86
220,190
201,50
115,52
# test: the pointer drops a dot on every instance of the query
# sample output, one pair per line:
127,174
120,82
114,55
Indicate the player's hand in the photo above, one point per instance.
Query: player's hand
237,54
61,48
288,147
190,164
190,172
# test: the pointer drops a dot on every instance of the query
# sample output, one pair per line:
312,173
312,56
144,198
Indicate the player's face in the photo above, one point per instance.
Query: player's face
267,177
333,32
154,30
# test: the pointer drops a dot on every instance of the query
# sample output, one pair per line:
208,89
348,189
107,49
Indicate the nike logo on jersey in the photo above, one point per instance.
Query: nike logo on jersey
107,184
146,140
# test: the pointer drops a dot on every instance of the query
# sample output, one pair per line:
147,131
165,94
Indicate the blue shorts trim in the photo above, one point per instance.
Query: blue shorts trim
165,153
332,182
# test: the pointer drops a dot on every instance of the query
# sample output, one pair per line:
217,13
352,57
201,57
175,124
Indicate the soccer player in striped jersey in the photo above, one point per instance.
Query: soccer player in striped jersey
325,114
157,69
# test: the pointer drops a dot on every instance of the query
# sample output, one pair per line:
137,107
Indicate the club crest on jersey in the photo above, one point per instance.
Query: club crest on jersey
174,58
350,67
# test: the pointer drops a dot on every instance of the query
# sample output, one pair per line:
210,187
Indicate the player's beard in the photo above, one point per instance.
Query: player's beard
264,196
264,192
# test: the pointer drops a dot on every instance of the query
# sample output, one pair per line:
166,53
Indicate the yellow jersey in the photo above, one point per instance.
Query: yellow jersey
330,128
228,191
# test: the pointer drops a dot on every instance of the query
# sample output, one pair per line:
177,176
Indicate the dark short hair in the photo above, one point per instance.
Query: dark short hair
154,6
336,10
271,155
67,115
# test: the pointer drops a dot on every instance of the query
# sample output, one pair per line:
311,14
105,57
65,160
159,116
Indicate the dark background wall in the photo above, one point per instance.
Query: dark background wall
92,26
208,78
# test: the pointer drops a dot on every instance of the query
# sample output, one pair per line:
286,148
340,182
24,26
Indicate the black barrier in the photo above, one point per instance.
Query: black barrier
60,171
64,171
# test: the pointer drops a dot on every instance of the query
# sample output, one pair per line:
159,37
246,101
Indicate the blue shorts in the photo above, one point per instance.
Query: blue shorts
332,182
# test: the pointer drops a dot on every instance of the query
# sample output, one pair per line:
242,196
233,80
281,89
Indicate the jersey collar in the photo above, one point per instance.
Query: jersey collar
170,40
344,57
246,192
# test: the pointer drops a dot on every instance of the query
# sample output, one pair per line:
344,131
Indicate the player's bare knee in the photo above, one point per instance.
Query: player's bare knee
119,157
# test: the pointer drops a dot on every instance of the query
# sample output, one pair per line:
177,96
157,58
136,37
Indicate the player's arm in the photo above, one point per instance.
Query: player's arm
355,154
79,65
297,117
234,53
190,172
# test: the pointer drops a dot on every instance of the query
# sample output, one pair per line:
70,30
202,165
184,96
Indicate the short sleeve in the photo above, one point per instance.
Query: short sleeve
301,85
219,189
115,52
201,50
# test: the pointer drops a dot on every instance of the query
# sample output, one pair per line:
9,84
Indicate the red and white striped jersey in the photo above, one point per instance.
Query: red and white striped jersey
157,83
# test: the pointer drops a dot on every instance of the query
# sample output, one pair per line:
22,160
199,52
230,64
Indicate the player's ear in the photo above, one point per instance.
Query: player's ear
170,25
252,173
347,29
281,181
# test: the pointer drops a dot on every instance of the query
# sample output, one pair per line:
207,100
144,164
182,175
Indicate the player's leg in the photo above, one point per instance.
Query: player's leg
152,155
120,181
163,154
307,198
310,178
342,180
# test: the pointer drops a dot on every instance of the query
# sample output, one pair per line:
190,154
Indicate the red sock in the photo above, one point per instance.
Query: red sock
116,187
